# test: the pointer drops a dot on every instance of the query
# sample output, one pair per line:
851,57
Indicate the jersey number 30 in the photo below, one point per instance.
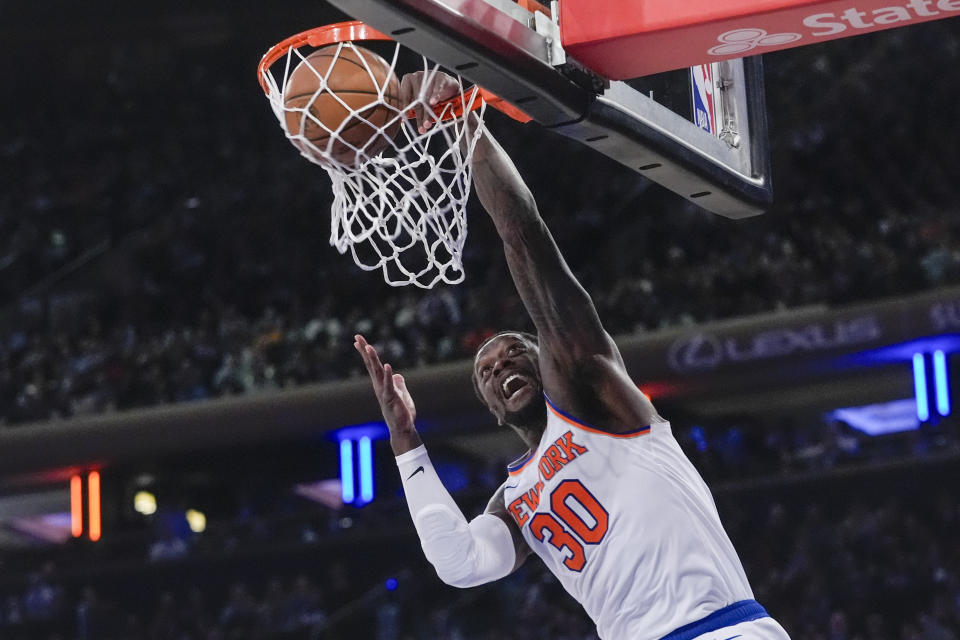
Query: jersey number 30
566,527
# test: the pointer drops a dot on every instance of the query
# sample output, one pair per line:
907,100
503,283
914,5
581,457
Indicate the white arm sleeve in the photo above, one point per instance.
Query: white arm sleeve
463,554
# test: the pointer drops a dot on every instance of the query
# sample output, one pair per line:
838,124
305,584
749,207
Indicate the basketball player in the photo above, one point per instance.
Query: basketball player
604,494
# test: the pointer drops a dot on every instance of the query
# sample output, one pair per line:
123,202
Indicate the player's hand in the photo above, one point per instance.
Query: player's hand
396,404
427,89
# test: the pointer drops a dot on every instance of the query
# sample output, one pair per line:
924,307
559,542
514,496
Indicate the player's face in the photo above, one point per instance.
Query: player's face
507,372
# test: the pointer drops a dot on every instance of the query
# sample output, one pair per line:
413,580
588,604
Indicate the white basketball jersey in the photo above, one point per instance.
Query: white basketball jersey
627,525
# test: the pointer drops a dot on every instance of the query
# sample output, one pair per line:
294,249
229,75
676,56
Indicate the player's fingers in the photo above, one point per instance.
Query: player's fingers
434,96
423,117
375,378
411,90
405,396
408,88
374,358
374,368
436,91
360,344
389,391
443,89
401,385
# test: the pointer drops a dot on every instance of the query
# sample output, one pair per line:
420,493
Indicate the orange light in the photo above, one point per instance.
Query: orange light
660,390
93,497
76,506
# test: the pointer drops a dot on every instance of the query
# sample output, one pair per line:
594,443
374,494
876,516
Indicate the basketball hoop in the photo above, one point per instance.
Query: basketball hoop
399,205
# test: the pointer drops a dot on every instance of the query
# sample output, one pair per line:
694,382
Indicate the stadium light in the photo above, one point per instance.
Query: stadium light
365,451
197,520
358,474
920,387
941,382
93,503
346,471
76,506
145,503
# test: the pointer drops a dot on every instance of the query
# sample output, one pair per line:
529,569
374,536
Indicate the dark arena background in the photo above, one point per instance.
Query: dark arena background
189,448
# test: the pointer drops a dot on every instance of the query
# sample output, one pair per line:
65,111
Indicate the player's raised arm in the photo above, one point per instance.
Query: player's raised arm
580,366
559,307
464,554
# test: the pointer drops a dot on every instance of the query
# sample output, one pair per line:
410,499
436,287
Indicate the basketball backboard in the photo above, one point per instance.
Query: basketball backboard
515,50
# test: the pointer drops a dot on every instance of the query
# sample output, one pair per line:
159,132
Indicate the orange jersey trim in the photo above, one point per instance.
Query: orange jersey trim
523,464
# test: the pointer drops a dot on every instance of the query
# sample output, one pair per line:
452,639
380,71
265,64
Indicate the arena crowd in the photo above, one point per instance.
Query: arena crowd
173,248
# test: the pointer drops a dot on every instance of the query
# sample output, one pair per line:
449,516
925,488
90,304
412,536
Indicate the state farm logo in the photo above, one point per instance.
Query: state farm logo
743,40
868,16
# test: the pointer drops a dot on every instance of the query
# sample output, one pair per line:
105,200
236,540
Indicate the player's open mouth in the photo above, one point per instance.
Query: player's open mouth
511,384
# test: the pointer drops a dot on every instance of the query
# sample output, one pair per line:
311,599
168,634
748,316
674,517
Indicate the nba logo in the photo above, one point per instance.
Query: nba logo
703,87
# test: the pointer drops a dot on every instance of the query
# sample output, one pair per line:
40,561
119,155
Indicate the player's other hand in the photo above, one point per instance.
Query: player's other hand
427,88
396,404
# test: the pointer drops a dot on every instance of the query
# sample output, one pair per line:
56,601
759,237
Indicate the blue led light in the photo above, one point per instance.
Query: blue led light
366,470
941,383
346,471
880,419
696,433
920,387
373,430
391,584
357,476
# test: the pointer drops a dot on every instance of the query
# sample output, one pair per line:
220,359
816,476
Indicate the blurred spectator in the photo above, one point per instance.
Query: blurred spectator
240,611
93,617
43,598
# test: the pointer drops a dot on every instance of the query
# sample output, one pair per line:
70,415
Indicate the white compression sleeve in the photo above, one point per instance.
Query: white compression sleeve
464,555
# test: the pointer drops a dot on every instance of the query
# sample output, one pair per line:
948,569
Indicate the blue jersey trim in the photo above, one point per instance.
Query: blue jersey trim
743,611
518,464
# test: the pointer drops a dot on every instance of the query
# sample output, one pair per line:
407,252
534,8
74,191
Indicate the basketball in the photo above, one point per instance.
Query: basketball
341,87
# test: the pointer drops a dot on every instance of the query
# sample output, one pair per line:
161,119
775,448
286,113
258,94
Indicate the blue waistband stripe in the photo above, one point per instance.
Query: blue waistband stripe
738,612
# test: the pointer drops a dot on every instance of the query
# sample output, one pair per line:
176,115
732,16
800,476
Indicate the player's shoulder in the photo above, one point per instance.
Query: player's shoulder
497,505
501,490
612,407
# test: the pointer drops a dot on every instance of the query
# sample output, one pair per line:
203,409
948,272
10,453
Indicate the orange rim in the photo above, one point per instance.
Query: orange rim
317,37
354,30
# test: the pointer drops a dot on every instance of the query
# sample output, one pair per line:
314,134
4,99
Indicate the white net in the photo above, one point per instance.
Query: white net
400,195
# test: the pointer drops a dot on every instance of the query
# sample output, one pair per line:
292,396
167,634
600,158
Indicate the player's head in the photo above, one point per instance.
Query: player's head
506,377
